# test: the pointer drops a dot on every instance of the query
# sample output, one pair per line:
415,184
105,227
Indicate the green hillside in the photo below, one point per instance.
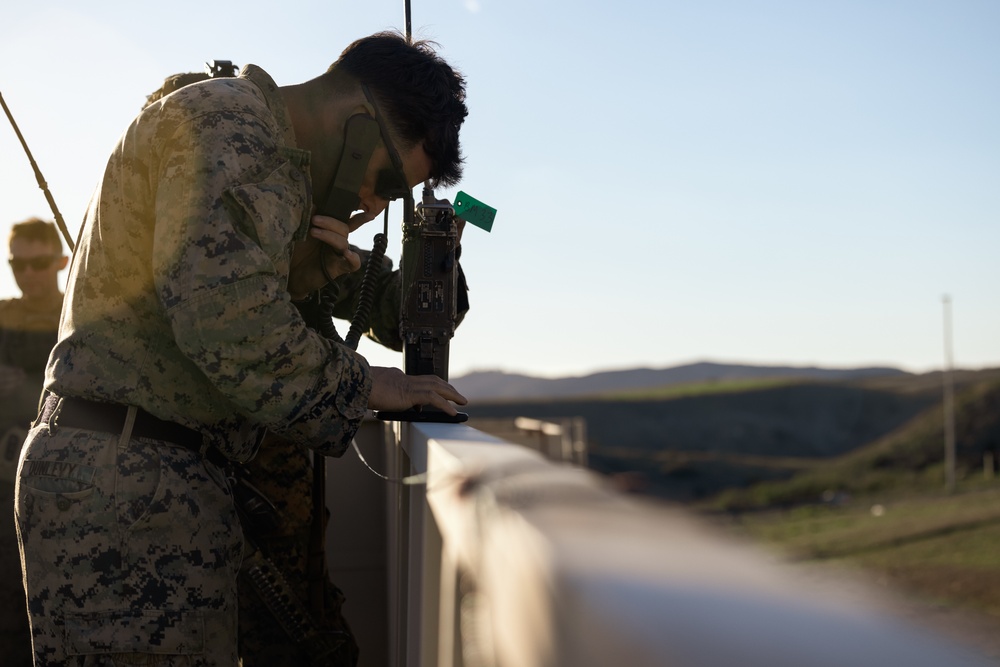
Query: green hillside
941,549
906,460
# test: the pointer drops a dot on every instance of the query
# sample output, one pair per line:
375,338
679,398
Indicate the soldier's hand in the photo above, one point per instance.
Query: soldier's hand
394,390
11,377
306,271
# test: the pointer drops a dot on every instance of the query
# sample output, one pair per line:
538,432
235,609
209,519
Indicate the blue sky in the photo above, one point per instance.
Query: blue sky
761,182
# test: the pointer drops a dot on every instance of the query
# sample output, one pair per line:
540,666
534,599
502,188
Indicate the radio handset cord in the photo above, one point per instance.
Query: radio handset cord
366,299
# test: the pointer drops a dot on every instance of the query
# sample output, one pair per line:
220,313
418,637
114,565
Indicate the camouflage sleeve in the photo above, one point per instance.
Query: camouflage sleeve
229,203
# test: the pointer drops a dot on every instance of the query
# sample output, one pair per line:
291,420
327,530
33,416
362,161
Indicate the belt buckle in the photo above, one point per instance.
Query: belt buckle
53,420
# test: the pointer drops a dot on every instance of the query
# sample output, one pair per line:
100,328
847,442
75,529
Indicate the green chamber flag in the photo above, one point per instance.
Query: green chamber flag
474,211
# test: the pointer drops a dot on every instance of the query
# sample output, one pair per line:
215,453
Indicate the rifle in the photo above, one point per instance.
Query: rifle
260,518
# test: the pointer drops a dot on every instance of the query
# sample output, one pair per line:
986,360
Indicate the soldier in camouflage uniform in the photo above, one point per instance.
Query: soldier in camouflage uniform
28,328
282,471
180,345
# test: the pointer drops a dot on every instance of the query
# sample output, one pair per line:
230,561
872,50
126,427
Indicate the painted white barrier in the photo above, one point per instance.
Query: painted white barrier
504,559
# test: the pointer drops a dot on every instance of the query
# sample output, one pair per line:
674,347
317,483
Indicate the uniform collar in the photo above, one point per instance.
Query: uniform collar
272,97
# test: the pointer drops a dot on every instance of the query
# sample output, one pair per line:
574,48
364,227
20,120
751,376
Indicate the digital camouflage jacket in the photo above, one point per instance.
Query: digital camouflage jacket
177,296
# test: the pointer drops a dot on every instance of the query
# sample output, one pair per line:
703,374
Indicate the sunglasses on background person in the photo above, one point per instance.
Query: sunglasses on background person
19,264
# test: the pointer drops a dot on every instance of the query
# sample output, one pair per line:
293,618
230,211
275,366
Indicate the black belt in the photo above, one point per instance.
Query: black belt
110,418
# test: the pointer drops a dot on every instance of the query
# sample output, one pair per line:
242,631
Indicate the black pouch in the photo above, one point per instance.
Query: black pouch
259,516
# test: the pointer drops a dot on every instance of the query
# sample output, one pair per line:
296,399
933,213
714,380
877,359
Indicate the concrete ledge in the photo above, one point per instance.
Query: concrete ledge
525,563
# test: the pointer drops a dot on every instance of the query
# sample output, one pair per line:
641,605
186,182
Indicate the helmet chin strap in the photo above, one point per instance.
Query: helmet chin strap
361,138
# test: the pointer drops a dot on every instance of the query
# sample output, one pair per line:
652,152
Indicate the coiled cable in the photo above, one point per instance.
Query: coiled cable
359,324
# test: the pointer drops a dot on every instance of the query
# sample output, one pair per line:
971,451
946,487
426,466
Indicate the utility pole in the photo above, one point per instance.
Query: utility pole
949,401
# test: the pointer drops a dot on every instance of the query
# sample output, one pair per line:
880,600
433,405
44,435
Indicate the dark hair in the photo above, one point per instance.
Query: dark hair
36,229
422,96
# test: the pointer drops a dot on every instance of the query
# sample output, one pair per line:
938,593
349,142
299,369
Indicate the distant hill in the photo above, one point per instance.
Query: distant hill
806,420
690,445
500,386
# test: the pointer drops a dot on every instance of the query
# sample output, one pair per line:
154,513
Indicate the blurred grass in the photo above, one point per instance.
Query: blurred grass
883,508
943,548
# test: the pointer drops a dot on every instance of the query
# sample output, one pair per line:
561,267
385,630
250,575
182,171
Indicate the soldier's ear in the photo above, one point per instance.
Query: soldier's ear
364,108
62,262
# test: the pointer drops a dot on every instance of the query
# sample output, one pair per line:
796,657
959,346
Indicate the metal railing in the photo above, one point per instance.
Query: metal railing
497,557
558,439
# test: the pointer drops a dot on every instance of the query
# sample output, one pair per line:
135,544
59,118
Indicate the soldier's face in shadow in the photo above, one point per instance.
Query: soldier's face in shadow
36,266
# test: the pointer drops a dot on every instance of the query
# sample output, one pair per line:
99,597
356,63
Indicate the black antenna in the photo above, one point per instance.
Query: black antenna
408,198
38,177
